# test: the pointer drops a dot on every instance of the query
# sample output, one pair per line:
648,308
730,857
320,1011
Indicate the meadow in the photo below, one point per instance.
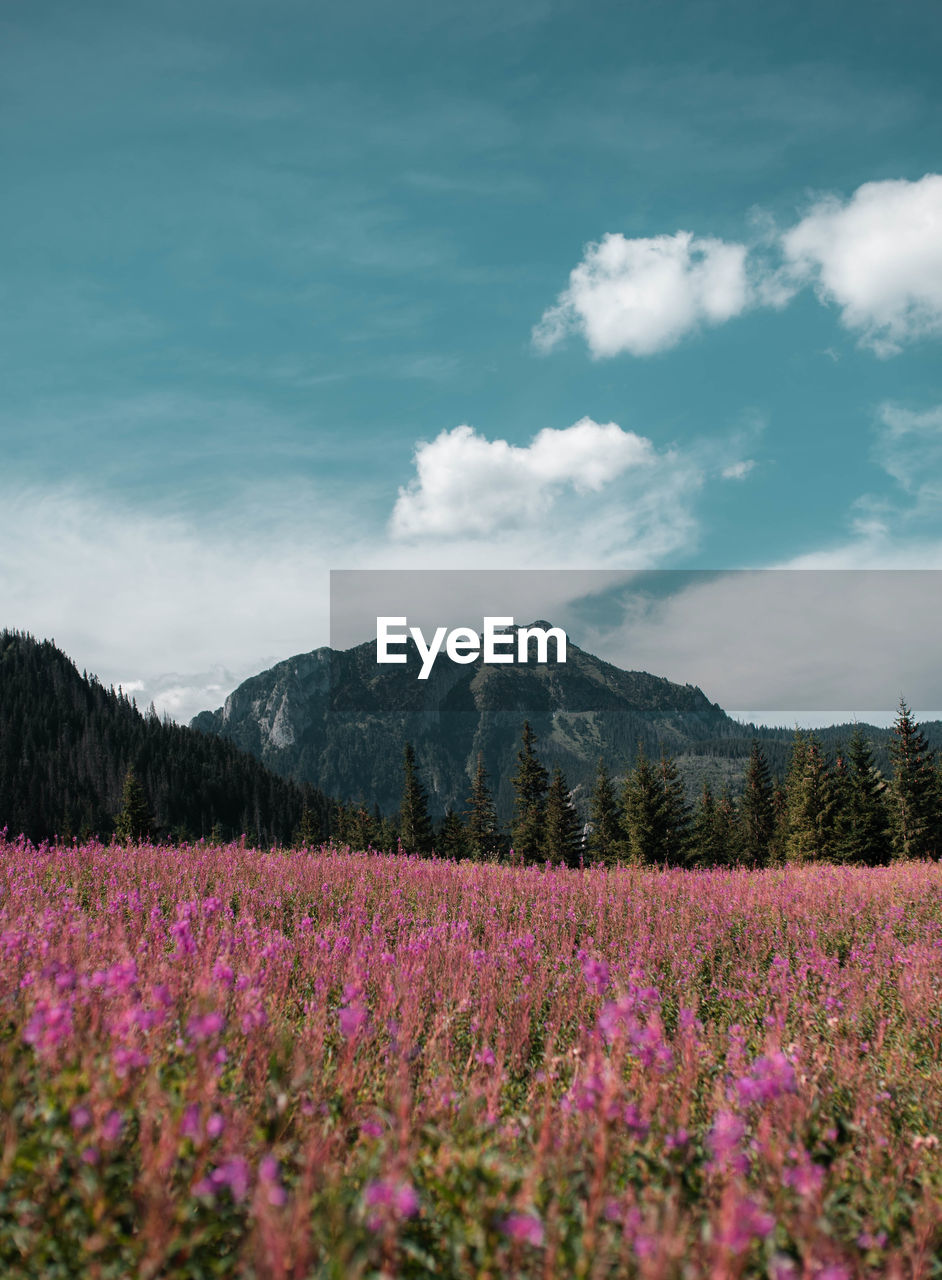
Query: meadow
216,1061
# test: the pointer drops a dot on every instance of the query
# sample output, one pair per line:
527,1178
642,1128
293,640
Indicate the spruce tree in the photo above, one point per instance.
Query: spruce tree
452,837
642,805
529,784
862,823
133,822
483,830
711,834
562,840
810,801
415,829
307,833
607,843
756,816
914,808
675,814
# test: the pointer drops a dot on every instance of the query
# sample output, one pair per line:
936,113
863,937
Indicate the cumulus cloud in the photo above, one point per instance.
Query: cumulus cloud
644,295
466,485
878,257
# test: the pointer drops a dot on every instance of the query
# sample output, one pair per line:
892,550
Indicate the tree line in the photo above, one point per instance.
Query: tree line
833,806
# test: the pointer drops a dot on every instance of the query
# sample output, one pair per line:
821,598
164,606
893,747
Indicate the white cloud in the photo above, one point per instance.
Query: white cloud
644,295
738,470
468,486
878,257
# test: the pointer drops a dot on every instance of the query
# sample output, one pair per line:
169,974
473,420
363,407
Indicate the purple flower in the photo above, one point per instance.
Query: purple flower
214,1126
750,1222
112,1126
597,975
205,1026
353,1017
80,1117
398,1199
524,1226
769,1078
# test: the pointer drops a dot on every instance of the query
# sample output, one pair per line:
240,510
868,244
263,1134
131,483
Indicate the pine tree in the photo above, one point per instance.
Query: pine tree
452,837
529,783
810,801
862,823
607,844
675,814
415,829
756,816
307,833
562,841
642,804
483,830
133,823
712,832
914,810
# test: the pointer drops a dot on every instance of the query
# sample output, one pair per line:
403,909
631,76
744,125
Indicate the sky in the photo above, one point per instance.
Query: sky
292,288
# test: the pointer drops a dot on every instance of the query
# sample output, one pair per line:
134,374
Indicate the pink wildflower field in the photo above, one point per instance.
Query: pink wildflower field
217,1061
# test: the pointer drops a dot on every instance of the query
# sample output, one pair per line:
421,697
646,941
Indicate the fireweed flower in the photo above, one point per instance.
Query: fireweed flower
769,1078
390,1199
596,973
205,1026
749,1222
523,1226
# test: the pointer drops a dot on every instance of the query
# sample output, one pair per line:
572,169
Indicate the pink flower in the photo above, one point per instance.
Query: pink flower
597,975
395,1199
524,1226
353,1017
205,1026
80,1117
749,1223
112,1126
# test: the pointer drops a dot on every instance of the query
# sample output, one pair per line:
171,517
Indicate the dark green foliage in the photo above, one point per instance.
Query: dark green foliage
529,784
415,829
642,802
675,814
562,841
307,831
356,826
810,802
862,822
914,794
483,832
756,815
452,837
66,744
134,822
656,814
607,843
712,842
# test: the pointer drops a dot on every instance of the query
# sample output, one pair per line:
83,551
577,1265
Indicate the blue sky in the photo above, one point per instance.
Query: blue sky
260,263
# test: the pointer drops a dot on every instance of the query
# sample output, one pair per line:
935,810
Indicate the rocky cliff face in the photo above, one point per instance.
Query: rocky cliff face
339,720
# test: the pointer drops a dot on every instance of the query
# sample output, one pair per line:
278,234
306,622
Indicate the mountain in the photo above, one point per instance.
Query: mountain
66,744
338,719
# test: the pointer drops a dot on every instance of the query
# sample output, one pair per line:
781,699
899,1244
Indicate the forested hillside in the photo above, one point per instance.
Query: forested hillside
67,743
